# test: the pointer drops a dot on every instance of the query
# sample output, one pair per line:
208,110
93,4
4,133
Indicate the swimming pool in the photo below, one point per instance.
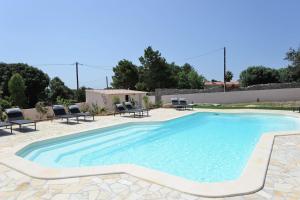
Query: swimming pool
204,147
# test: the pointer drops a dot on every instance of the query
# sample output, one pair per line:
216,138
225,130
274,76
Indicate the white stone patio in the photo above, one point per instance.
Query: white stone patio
282,181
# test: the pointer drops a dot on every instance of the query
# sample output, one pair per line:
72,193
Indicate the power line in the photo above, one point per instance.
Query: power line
98,67
204,54
40,65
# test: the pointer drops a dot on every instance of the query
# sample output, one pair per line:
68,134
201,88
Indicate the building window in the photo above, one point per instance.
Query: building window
127,98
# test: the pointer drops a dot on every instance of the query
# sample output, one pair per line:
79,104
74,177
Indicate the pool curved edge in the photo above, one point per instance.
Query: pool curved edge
251,180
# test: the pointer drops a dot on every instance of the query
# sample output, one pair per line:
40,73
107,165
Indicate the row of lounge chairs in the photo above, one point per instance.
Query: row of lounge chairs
181,104
15,116
74,113
127,107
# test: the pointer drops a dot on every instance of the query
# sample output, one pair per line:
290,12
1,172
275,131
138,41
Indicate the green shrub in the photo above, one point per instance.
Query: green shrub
16,88
4,104
2,115
41,108
159,104
97,110
146,102
65,102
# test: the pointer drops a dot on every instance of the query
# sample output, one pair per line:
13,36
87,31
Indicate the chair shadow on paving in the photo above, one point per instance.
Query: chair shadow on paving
24,129
137,116
87,120
69,123
5,132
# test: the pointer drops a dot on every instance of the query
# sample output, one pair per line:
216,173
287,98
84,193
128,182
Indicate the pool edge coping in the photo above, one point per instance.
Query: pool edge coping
251,180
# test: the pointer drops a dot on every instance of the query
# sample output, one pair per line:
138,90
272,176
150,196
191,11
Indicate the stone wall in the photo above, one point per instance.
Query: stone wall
163,92
248,96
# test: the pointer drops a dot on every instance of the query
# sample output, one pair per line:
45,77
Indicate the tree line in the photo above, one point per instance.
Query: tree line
254,75
23,85
155,72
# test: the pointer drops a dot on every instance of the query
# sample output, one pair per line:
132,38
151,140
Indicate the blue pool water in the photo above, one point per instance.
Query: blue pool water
205,147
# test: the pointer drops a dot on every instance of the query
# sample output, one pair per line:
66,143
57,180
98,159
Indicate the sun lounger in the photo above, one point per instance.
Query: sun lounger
15,116
130,107
120,109
184,104
176,104
6,124
74,110
60,113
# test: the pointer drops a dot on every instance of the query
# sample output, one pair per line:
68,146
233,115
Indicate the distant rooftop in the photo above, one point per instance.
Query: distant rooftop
117,91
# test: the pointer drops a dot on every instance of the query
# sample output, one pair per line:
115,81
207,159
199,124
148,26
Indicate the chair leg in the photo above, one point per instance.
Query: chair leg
11,129
35,126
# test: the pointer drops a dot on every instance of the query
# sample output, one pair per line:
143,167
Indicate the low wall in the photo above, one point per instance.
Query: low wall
270,86
152,99
287,94
32,114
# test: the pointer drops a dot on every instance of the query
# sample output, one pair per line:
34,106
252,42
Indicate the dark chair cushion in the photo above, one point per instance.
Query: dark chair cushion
183,102
74,109
120,107
14,114
174,101
128,105
59,110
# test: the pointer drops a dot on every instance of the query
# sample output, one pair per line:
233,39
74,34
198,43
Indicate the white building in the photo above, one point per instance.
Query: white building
104,98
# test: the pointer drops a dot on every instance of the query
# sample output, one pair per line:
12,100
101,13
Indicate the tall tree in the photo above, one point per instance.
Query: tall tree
228,76
36,81
188,78
80,94
183,80
126,75
293,56
175,70
285,75
157,71
141,85
16,87
59,89
259,75
196,81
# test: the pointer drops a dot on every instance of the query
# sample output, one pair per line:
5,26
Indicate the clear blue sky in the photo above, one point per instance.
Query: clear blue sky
94,32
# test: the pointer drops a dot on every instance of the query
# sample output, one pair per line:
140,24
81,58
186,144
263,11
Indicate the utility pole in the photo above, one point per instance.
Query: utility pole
77,75
224,69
